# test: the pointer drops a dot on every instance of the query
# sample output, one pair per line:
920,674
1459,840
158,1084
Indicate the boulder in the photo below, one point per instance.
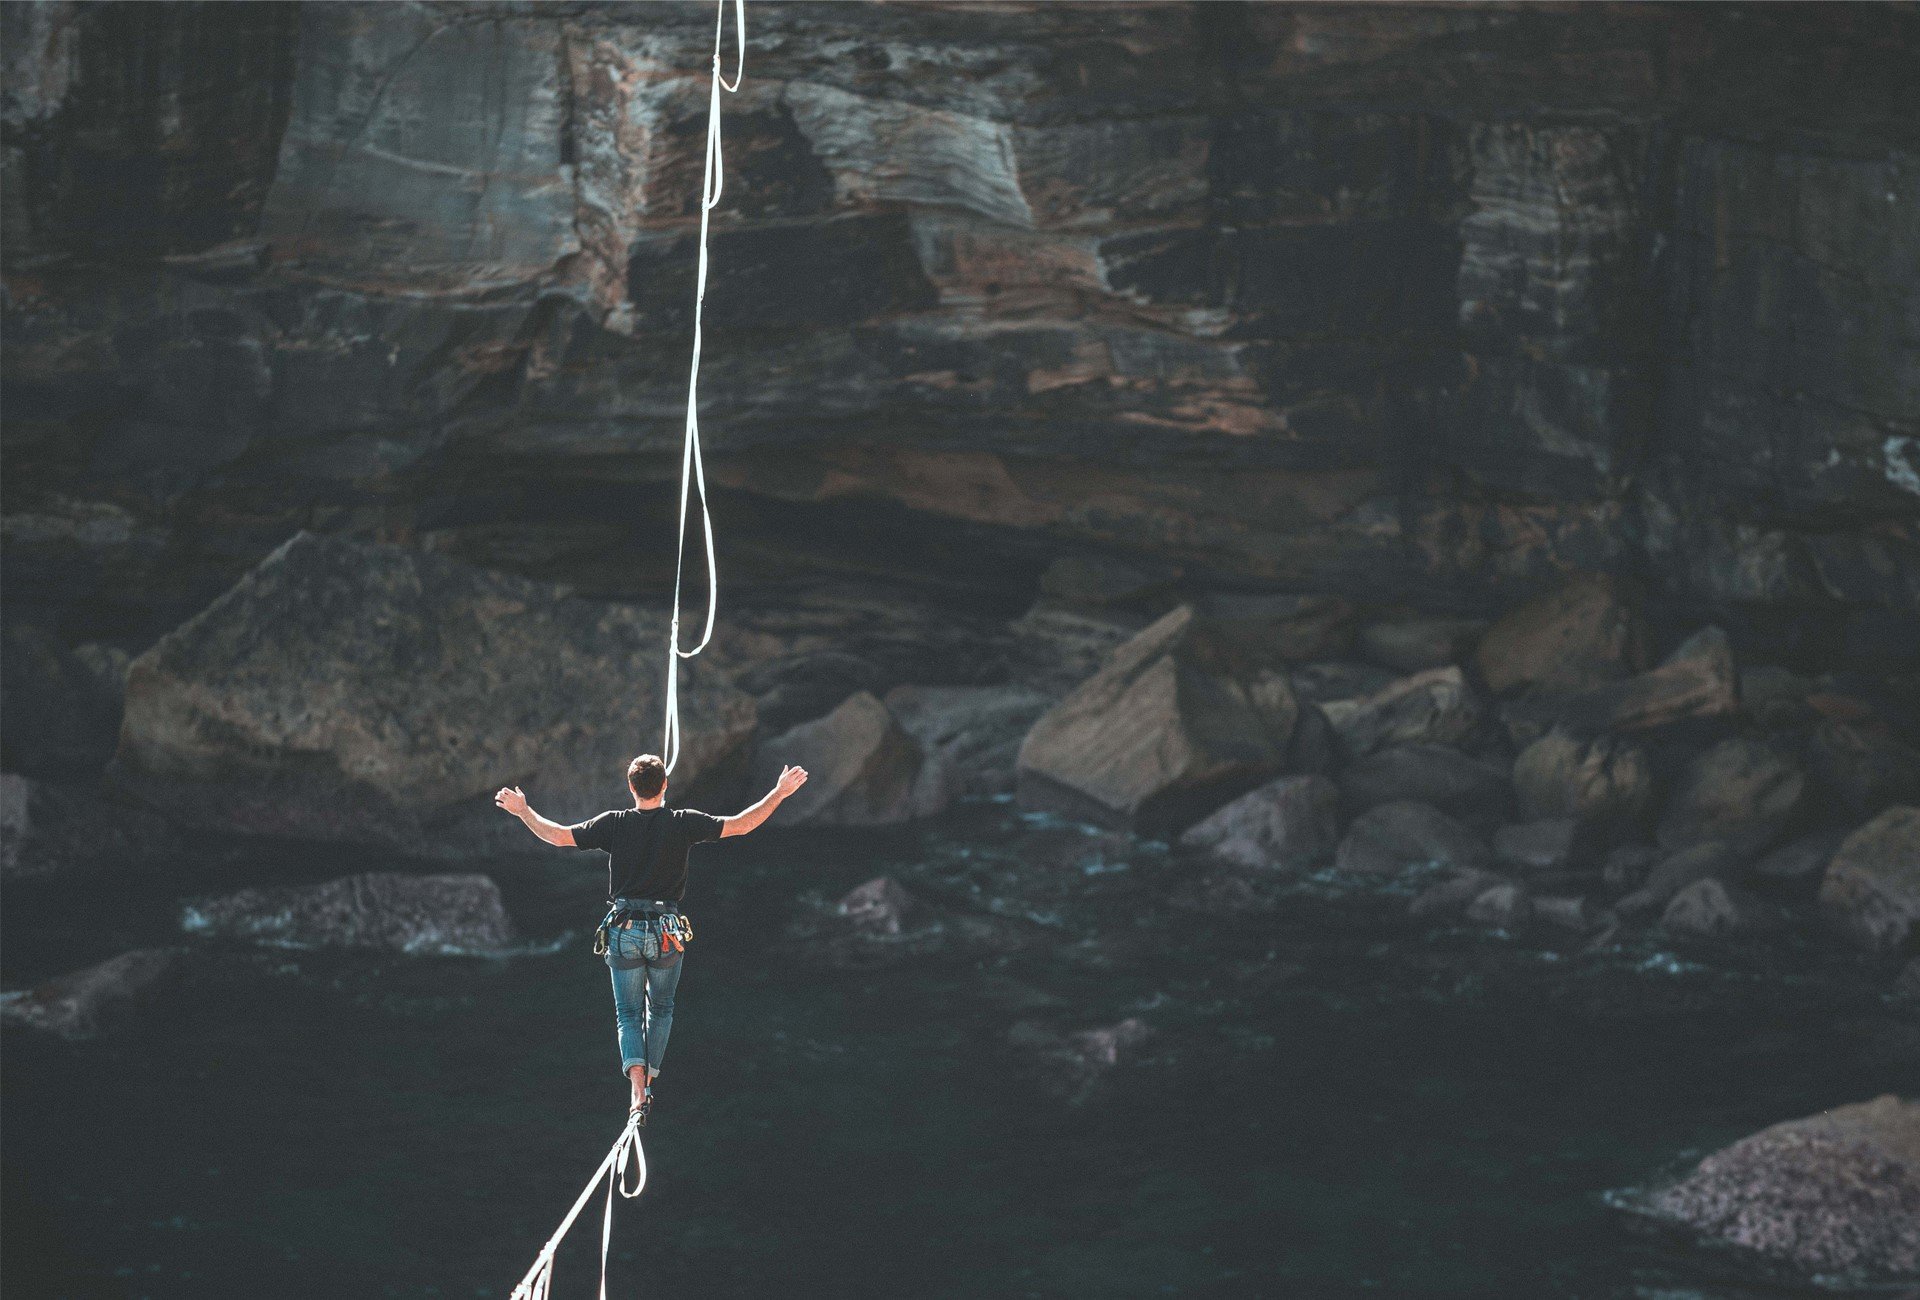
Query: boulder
1505,906
1291,822
1450,897
1605,782
1742,791
1552,844
83,1003
445,914
1864,766
1696,681
1437,774
973,732
1271,630
863,769
355,691
1570,912
1675,872
1713,909
1871,891
1794,870
1433,707
1394,836
882,906
1174,725
1581,635
1313,748
1411,645
47,829
63,704
1834,1197
1072,1065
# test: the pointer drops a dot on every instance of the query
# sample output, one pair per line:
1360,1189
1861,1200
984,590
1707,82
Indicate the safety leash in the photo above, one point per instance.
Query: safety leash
693,471
538,1283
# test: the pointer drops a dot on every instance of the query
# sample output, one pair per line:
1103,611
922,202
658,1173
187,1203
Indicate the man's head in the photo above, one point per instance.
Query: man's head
647,776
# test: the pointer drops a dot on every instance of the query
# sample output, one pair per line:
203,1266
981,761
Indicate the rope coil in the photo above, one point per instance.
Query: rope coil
693,471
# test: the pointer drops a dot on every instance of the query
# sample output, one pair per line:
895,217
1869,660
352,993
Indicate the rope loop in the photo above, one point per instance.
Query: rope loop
693,470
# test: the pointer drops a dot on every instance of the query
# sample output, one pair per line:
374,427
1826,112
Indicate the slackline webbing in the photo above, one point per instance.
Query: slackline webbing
626,1151
693,472
538,1283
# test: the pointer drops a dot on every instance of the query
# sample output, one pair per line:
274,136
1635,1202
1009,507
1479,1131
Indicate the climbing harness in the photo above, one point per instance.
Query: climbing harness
627,1152
693,472
659,933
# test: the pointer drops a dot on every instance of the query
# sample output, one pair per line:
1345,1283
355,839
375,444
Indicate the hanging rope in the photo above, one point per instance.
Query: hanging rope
693,472
538,1283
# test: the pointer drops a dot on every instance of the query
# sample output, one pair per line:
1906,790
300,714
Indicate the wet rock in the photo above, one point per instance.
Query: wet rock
1695,681
82,1004
1072,1065
1675,872
47,829
1835,1196
1504,906
1871,891
1450,897
1605,782
1571,912
882,906
1741,791
1168,730
1795,869
1289,823
363,692
444,914
1864,766
1270,631
1339,679
1581,635
1713,909
1434,707
1411,645
1394,836
1552,844
1626,866
863,769
1440,775
974,732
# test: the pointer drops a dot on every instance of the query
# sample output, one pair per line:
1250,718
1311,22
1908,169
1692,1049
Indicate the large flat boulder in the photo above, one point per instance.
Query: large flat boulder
1871,891
355,691
1288,823
1174,725
443,914
1833,1197
863,769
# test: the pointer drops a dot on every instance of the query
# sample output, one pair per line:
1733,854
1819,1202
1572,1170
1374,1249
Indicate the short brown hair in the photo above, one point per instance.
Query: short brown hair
647,775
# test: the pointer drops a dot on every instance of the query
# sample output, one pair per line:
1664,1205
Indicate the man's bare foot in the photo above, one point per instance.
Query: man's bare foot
641,1080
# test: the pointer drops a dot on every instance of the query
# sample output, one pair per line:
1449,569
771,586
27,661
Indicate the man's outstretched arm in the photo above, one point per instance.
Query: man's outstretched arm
791,779
510,798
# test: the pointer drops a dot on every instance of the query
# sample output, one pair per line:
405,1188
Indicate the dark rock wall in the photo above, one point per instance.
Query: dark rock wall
1405,303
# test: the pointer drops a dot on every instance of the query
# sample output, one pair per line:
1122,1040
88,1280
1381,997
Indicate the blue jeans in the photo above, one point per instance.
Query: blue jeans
642,997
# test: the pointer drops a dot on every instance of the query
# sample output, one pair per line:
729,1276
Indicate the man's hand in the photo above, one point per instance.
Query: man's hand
791,779
510,798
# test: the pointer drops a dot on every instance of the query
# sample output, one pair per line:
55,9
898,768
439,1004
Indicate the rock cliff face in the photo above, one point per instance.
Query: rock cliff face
1421,304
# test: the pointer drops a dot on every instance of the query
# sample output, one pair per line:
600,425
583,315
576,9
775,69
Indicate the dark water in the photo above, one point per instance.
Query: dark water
1335,1102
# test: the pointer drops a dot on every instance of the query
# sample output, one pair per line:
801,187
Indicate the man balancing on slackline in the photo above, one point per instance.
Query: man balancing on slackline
644,936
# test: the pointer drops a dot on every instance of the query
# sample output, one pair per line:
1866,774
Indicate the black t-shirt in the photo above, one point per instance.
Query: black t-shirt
646,848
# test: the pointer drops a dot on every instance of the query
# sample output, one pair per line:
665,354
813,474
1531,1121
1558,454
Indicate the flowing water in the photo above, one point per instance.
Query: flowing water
1334,1101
